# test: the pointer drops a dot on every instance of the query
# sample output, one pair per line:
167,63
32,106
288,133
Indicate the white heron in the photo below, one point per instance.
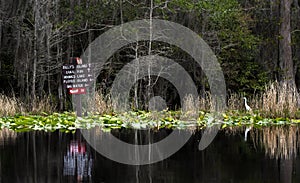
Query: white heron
248,108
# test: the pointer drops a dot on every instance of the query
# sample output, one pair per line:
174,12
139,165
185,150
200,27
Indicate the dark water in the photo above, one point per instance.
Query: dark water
269,155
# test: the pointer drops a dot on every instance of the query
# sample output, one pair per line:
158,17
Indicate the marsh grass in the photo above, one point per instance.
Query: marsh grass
103,104
42,104
10,106
235,102
205,102
278,100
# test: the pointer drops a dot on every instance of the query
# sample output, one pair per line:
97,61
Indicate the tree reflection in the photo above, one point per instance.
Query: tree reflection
281,143
7,135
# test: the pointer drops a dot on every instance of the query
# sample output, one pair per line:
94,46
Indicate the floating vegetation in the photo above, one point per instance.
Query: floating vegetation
68,122
56,121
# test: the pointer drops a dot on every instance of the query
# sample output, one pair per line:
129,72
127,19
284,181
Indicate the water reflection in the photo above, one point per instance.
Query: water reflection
280,142
270,155
7,136
77,161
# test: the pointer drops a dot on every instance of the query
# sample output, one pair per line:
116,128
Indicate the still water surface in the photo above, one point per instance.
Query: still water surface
268,155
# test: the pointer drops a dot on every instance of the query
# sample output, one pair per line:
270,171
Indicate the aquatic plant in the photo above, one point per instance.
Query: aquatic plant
68,122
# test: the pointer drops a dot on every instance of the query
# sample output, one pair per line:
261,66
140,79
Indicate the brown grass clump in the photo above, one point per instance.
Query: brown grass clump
103,105
10,106
235,101
280,99
42,104
205,102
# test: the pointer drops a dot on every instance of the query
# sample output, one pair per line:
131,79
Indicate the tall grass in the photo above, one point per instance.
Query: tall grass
235,101
278,100
103,104
42,104
10,106
205,101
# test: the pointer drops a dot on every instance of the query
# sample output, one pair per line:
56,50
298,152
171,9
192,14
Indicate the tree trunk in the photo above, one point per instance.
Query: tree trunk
136,86
71,15
1,22
296,47
0,38
36,47
48,37
149,86
285,48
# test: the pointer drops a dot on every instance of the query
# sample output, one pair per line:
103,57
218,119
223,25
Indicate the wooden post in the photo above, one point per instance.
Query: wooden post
78,105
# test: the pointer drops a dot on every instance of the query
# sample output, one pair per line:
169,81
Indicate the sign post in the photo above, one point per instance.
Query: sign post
76,78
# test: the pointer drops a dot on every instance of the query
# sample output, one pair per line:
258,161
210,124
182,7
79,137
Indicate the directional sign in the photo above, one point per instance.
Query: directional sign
77,76
77,91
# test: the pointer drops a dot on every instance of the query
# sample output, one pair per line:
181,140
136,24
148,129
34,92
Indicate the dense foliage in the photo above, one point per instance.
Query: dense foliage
37,37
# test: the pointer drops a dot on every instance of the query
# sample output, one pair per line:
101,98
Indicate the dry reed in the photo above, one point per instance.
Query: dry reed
10,106
205,101
235,102
278,100
42,104
103,104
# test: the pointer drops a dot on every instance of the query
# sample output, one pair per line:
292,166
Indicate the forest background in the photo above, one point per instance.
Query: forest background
257,43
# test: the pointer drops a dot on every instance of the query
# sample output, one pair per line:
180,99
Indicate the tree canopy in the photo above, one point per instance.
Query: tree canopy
255,41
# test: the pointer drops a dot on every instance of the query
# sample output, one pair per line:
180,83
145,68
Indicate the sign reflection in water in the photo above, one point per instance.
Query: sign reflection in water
77,161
